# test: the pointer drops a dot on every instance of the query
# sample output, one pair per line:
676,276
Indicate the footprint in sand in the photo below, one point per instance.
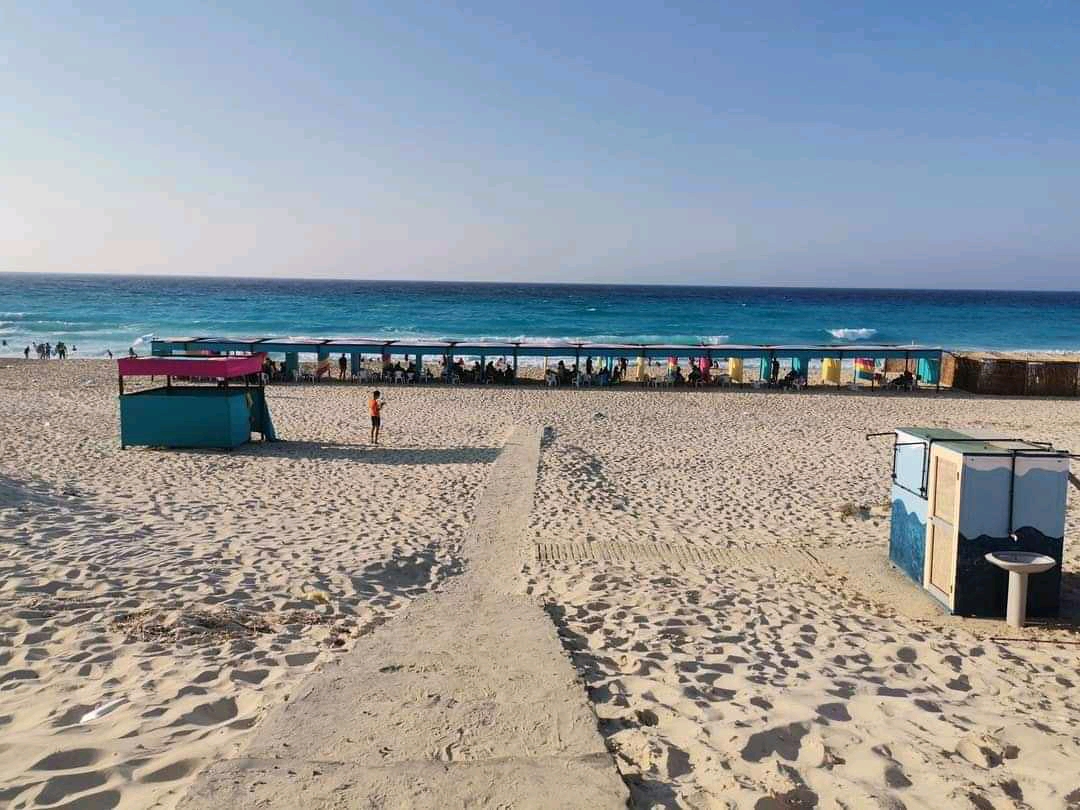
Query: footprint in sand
67,760
105,800
60,787
209,714
16,676
252,676
172,771
834,711
782,740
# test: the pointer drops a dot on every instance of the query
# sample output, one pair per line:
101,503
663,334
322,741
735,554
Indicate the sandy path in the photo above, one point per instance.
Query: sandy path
464,699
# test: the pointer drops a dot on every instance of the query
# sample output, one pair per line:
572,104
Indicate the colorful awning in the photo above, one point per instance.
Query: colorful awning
218,367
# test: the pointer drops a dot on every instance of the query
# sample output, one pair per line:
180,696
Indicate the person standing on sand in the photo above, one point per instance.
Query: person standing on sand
26,352
375,406
342,364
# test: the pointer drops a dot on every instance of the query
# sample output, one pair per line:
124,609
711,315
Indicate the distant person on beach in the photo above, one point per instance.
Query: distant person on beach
342,364
109,352
775,370
131,351
375,406
26,352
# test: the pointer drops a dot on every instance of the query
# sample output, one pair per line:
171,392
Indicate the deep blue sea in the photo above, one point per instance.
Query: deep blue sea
95,313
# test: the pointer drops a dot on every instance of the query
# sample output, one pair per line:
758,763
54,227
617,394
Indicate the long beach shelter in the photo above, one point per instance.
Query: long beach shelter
925,359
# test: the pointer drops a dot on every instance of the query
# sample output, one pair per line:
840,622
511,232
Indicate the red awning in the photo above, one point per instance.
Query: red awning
222,367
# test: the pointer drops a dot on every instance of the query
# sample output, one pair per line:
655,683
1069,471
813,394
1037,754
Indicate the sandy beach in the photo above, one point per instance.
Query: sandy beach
714,562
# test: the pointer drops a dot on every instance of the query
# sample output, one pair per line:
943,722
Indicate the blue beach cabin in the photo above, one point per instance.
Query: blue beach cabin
957,497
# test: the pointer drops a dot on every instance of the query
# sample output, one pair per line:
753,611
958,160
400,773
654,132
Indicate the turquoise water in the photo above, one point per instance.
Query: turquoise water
95,313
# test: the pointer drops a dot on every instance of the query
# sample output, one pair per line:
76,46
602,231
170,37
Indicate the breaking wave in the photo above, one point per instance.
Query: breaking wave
852,334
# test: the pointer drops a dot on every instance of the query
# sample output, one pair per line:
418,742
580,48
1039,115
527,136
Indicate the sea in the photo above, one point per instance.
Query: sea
98,313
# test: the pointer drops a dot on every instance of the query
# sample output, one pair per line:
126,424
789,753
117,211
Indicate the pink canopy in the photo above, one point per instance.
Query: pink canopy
191,366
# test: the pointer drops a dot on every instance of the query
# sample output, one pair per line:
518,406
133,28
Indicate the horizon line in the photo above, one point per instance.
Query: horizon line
691,285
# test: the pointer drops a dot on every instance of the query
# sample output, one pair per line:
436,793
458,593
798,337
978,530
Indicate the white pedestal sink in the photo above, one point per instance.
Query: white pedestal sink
1020,565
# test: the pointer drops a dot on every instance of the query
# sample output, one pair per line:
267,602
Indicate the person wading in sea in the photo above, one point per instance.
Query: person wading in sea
375,406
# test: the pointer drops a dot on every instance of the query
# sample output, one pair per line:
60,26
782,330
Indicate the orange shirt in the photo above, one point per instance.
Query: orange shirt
374,406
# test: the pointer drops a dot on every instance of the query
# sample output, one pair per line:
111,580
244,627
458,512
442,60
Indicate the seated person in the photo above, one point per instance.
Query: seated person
905,380
695,375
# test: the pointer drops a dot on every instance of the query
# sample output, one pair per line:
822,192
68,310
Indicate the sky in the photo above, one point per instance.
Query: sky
917,144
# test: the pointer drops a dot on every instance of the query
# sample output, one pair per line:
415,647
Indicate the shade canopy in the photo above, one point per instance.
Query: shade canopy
219,367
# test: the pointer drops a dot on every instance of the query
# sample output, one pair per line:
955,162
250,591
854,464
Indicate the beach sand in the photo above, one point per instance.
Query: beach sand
745,644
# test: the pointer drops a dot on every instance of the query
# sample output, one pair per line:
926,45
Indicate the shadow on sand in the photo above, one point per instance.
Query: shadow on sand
404,575
1068,617
370,454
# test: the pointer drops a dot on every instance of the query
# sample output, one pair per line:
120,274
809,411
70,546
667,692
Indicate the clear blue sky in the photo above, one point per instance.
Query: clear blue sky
874,143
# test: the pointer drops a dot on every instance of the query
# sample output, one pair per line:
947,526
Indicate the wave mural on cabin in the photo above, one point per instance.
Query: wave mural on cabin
907,534
1038,496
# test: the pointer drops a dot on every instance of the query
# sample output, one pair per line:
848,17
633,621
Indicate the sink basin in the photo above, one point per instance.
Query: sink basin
1021,562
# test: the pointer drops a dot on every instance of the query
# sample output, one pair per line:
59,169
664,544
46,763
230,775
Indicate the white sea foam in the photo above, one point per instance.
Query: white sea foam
852,334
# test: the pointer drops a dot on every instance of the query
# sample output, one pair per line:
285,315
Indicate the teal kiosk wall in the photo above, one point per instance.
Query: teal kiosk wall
222,412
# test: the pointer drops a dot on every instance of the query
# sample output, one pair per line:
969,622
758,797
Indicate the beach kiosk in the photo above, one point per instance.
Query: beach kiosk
956,498
205,402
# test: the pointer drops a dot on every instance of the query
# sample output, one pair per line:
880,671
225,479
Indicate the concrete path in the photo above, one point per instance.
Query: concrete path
464,699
